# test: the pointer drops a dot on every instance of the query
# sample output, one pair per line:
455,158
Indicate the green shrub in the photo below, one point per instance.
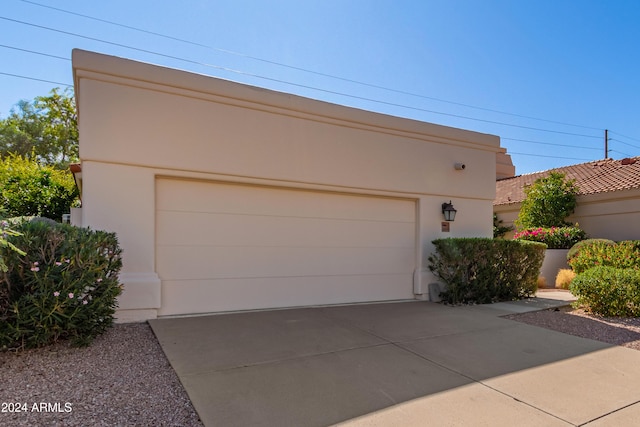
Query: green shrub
554,237
65,287
578,246
548,202
482,270
29,189
608,291
624,254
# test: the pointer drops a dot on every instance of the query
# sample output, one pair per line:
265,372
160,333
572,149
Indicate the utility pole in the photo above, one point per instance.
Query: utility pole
606,143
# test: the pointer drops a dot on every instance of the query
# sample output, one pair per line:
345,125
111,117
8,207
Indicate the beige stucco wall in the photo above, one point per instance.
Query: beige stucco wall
504,165
612,215
138,121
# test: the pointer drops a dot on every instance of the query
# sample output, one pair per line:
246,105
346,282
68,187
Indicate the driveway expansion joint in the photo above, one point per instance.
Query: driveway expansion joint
610,413
286,359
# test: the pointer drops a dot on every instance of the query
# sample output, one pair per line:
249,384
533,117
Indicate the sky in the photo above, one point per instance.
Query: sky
547,76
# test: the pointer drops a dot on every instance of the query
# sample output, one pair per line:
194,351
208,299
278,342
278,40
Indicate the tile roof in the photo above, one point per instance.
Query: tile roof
593,177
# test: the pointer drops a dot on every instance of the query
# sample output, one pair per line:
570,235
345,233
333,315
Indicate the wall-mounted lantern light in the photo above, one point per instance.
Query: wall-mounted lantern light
448,211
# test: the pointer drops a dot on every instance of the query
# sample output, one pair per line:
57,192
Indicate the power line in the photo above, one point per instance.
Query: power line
106,42
134,28
624,136
34,52
553,157
624,154
550,143
622,142
294,84
243,55
36,79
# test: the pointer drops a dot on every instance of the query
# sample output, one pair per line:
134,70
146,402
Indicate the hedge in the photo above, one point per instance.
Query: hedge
484,270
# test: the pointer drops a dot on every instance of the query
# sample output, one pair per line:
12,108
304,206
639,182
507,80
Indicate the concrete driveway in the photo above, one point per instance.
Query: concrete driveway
412,363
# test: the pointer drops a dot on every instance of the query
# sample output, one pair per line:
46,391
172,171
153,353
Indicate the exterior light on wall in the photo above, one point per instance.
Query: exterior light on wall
449,211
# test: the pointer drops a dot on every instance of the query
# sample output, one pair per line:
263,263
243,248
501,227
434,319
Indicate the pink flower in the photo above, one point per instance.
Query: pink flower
85,302
71,295
98,280
35,269
58,263
56,294
67,261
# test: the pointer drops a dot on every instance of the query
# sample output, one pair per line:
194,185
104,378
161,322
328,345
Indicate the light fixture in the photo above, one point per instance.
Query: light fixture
449,211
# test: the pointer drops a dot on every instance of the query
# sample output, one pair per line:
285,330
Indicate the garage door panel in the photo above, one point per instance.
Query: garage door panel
204,296
223,247
194,228
196,196
189,262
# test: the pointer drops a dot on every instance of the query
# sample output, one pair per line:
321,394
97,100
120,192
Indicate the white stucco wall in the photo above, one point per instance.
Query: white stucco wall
138,121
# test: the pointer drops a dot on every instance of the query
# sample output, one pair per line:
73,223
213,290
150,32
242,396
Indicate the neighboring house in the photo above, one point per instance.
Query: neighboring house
608,201
230,197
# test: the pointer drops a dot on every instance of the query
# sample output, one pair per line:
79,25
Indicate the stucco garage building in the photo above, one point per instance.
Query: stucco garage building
230,197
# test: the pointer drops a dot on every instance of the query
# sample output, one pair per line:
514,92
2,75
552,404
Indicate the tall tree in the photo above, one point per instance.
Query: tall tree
45,129
548,202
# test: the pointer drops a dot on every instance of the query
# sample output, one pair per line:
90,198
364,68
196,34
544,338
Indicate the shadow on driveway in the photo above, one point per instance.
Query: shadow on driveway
362,363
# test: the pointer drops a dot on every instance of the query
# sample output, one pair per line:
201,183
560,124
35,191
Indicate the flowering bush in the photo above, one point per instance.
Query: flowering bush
65,287
624,254
554,237
575,249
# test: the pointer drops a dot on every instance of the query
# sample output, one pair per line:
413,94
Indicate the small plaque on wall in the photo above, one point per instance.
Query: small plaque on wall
445,226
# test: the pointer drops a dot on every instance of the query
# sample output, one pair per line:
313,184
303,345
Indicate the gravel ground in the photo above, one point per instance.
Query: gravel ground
124,378
618,331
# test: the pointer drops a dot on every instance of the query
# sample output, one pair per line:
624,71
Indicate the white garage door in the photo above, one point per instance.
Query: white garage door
222,247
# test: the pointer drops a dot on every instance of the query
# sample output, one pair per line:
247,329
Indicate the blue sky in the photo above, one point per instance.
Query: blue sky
492,66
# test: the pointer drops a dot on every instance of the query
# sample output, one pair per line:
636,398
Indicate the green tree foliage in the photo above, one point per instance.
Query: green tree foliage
45,129
549,201
30,189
